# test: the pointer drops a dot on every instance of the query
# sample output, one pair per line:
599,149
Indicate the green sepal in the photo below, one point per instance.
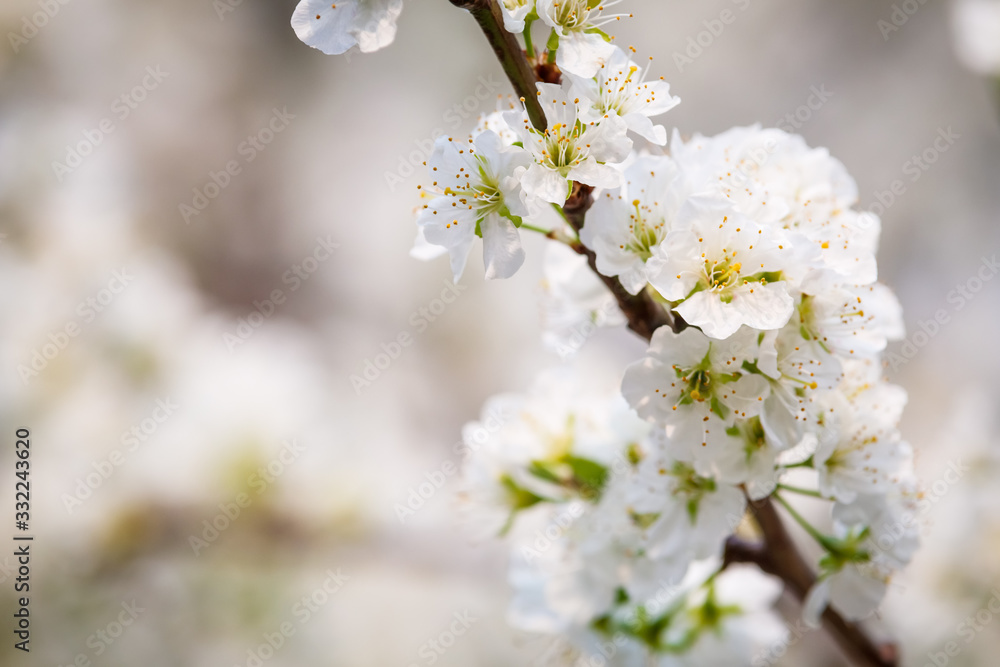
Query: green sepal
718,408
644,520
588,474
598,31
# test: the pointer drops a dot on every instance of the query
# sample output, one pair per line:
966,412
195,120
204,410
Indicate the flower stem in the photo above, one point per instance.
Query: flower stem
799,519
529,48
799,490
533,228
808,463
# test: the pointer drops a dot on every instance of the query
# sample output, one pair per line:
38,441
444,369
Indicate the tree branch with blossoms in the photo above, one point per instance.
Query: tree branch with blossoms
742,261
776,554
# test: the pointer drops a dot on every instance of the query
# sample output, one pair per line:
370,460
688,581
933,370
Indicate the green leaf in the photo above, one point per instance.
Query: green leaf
588,474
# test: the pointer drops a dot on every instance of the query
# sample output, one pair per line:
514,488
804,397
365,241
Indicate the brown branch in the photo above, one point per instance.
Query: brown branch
783,559
513,60
776,554
643,313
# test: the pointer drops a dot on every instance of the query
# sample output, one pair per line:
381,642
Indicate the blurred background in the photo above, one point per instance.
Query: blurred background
206,228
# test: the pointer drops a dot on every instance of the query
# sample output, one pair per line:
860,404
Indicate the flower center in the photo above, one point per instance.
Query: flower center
722,273
562,150
615,94
583,15
645,235
571,14
483,195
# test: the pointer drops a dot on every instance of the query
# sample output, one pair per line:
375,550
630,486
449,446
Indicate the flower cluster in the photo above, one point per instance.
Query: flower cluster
616,545
765,383
509,173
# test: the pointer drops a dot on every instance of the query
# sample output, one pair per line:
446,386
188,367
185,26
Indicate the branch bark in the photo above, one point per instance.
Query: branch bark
490,18
777,553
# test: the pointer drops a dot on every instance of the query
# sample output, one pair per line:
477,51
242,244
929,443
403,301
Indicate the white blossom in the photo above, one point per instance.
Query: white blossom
779,181
685,516
582,44
335,27
877,535
560,441
568,149
620,87
860,448
478,195
575,303
798,369
625,226
514,13
724,268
